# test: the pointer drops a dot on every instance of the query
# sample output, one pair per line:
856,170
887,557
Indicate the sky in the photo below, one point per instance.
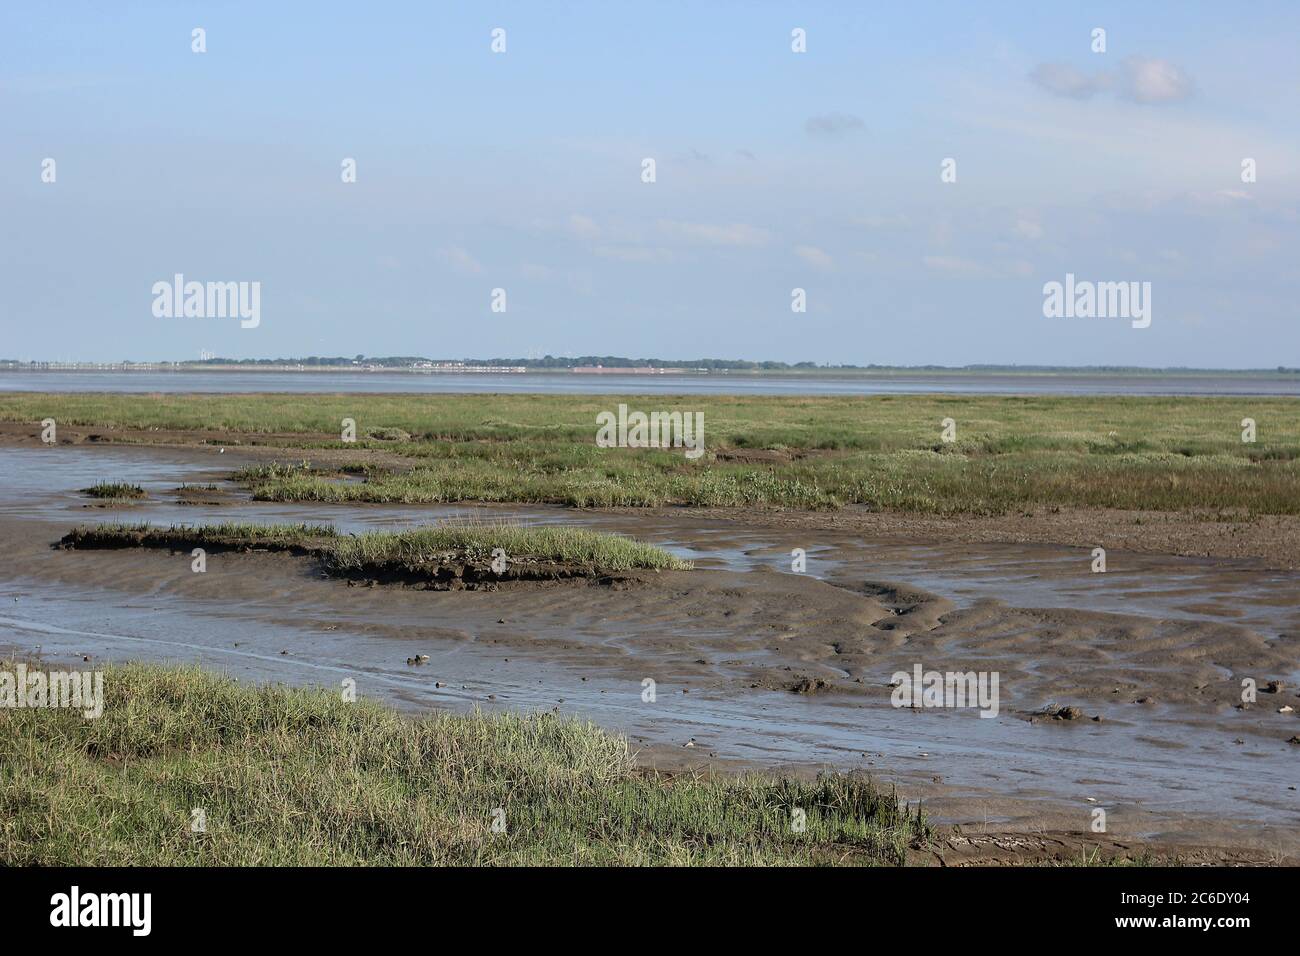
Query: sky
775,170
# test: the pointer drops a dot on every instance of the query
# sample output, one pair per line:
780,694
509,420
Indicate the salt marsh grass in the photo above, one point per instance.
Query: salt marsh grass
596,551
115,491
881,452
299,777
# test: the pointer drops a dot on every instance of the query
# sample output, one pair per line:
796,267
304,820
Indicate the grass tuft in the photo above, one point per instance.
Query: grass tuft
596,550
115,491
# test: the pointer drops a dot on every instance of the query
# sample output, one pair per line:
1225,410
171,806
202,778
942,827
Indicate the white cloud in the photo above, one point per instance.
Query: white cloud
815,257
895,221
955,266
1063,80
736,234
633,253
1142,79
695,156
1151,80
456,258
941,232
1028,229
584,227
834,124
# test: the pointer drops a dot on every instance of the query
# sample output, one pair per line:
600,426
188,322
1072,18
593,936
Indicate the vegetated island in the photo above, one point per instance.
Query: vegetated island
446,557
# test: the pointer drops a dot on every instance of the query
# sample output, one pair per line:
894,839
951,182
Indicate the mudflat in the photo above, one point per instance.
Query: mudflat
752,663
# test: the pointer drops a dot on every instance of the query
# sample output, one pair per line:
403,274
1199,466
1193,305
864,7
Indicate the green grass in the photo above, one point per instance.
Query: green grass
295,777
919,481
600,551
597,552
114,490
883,452
236,535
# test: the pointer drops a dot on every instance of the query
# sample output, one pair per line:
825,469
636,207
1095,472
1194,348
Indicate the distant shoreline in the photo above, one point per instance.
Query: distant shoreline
648,371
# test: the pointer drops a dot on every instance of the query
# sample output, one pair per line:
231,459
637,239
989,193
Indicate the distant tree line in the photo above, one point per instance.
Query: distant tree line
619,361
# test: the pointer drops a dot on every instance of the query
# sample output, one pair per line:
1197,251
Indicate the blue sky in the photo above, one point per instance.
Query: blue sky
775,170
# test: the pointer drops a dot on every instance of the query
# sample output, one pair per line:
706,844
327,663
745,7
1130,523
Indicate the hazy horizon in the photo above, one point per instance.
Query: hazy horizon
775,170
686,365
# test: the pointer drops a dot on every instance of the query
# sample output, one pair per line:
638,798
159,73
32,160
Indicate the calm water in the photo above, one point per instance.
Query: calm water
722,384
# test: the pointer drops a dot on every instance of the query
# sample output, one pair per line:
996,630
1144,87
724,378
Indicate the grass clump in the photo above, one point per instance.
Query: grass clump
235,535
115,491
300,778
594,552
